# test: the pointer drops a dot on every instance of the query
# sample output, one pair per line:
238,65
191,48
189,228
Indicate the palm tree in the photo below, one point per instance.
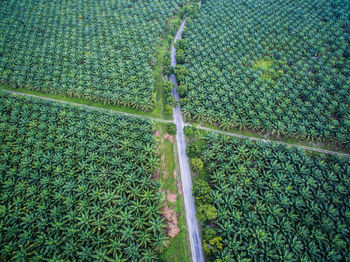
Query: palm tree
160,242
99,223
85,253
156,225
132,251
148,256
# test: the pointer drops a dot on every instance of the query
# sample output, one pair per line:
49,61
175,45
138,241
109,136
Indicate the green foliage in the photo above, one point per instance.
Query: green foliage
97,50
193,150
209,233
271,198
181,44
213,245
171,101
167,68
202,192
168,109
170,40
264,64
168,86
182,90
173,27
76,184
271,66
206,213
180,56
171,128
181,72
190,131
197,164
266,69
216,244
206,248
191,10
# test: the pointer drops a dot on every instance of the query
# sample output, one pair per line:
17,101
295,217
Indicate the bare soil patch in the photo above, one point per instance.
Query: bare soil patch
169,137
165,175
171,196
157,133
268,134
317,144
179,187
172,227
156,174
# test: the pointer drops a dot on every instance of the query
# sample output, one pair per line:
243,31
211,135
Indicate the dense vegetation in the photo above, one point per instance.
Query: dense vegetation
267,202
97,50
76,184
171,128
273,66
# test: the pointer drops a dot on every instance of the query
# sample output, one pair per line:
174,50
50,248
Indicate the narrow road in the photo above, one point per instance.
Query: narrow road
192,223
324,151
86,106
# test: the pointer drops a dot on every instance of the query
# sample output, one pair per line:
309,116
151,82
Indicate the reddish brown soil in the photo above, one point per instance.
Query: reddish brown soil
169,137
172,228
156,174
157,133
171,196
179,187
165,175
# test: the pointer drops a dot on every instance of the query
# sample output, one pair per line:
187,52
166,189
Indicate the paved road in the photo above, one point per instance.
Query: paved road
87,106
272,141
192,223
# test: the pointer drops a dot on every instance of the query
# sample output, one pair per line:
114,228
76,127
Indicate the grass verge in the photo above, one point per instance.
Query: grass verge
158,79
82,101
179,248
157,70
318,145
231,130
